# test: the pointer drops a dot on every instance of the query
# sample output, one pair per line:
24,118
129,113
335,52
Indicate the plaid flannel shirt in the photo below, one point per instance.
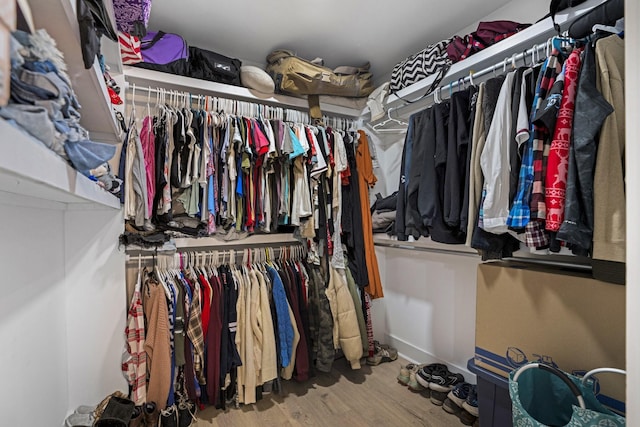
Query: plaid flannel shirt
134,364
526,208
194,332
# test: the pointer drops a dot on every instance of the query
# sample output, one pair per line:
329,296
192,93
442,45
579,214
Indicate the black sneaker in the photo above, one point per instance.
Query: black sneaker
423,376
169,416
450,406
466,418
471,403
444,381
437,397
186,413
460,393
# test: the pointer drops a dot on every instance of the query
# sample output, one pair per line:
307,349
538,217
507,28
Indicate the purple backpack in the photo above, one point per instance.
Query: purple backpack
164,52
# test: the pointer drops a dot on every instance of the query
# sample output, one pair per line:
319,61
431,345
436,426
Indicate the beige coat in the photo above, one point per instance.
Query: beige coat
609,220
346,332
269,362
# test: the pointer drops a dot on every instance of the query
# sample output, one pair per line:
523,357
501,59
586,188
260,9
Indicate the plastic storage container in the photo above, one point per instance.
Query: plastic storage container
494,402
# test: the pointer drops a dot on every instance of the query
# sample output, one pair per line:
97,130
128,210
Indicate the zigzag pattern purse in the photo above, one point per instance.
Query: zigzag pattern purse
431,60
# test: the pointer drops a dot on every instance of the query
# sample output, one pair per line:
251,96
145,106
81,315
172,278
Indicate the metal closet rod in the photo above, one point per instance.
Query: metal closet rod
221,253
136,254
287,114
534,52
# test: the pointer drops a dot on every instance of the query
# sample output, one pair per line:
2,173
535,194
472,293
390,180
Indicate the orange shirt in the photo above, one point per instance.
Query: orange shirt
367,179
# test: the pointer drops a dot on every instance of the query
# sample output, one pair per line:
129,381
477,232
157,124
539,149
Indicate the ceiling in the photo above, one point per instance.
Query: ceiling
343,32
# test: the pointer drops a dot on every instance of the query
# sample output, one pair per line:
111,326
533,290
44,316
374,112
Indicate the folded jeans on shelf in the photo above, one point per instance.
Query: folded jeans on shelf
35,121
86,155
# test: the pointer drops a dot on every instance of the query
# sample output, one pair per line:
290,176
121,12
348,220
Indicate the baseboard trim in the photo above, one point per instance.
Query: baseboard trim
417,355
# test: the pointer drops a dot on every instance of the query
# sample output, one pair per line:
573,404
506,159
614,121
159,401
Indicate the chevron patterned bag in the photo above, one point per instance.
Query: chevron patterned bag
417,67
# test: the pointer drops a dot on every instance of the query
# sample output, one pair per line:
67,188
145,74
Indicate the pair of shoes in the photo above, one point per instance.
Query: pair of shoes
437,397
82,416
405,372
460,393
438,378
414,385
186,413
137,419
463,402
467,418
423,376
169,416
382,354
451,407
151,414
471,402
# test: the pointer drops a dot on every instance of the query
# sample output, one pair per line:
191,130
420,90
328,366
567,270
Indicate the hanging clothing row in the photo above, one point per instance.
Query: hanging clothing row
204,331
536,156
201,172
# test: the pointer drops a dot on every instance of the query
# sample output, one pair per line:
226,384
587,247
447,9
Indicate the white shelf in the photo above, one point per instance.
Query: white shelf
59,18
28,168
535,34
255,239
154,79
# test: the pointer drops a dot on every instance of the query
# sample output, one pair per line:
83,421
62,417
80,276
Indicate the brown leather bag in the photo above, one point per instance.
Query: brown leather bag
297,76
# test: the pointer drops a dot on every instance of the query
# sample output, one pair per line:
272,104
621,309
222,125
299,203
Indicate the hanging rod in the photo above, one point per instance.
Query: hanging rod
535,52
409,246
247,108
580,264
247,253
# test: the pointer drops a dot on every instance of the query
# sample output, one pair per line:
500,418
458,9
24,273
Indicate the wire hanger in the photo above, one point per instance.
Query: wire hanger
379,127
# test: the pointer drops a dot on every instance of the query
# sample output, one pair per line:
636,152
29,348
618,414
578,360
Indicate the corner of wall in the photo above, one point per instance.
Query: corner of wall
95,297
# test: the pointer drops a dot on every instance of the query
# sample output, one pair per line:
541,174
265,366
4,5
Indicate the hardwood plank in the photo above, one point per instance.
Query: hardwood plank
343,397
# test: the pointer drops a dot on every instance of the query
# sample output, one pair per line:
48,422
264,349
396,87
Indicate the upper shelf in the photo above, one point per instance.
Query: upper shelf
153,79
59,18
28,168
518,43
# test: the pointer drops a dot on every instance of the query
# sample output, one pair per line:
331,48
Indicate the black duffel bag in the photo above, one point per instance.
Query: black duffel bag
212,66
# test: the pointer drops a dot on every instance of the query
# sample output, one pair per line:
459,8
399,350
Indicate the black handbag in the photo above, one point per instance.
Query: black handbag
212,66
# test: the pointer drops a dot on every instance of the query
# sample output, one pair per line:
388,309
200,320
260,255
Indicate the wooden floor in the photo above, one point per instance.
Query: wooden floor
370,396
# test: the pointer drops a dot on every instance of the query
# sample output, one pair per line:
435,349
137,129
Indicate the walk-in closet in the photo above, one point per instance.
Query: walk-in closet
338,214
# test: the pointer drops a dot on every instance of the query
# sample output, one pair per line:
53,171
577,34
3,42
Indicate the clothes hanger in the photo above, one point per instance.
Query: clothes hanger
379,127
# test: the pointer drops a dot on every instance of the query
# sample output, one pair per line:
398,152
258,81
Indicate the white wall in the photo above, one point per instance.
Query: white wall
428,310
33,329
96,299
524,11
62,309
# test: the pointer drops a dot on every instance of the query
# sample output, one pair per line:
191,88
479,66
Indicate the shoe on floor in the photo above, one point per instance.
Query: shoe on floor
466,418
451,407
405,370
382,355
79,420
423,376
437,397
444,381
413,384
471,403
169,416
460,393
